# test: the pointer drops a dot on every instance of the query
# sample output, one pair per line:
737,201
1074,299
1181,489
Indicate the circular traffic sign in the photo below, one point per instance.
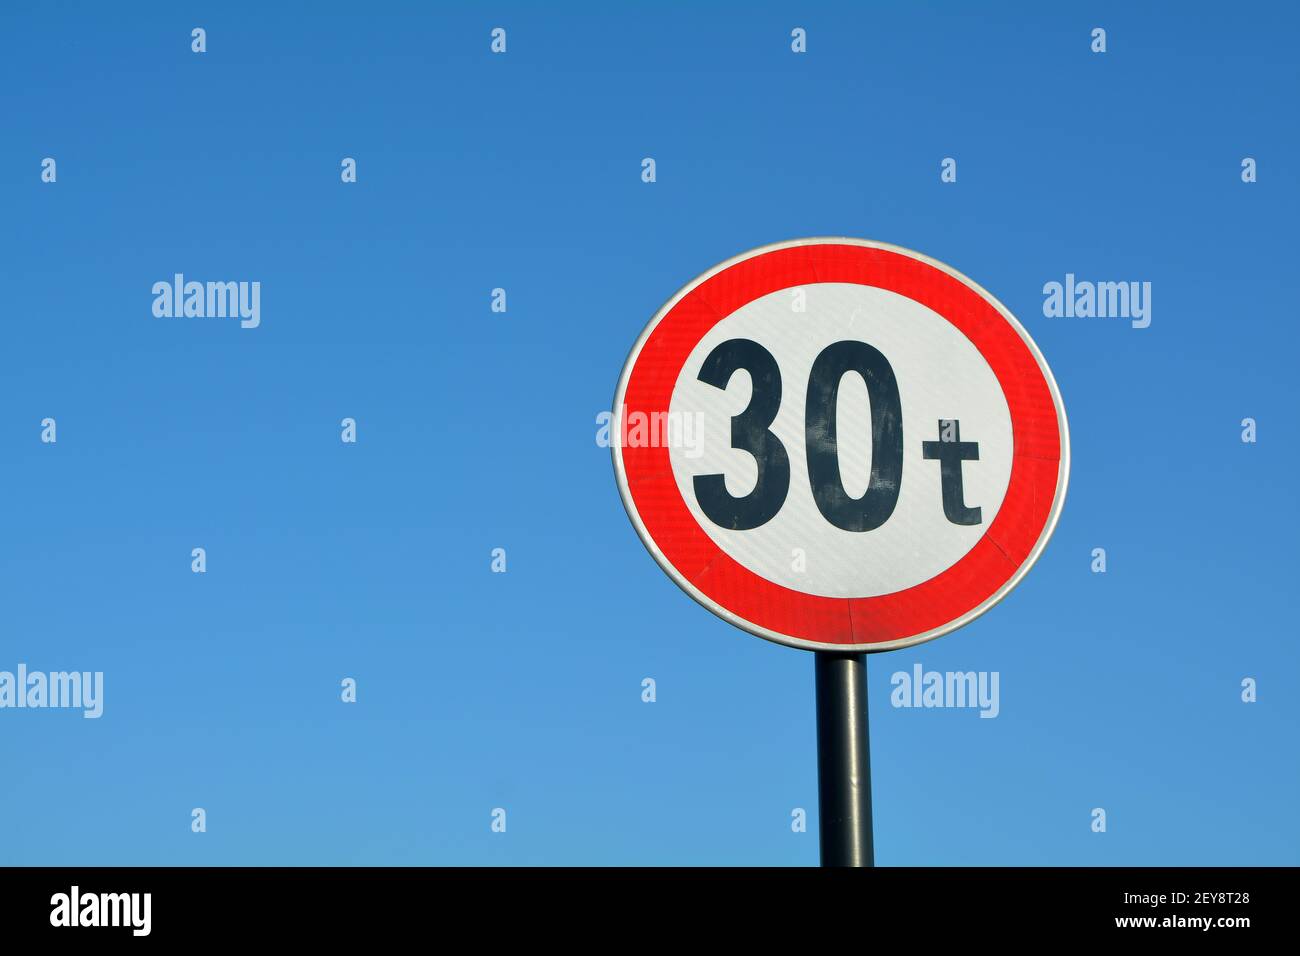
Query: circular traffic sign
839,444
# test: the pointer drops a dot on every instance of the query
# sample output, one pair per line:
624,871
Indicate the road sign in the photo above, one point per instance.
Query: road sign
840,445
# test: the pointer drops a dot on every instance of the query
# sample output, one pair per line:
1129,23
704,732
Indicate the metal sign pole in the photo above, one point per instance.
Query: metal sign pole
843,760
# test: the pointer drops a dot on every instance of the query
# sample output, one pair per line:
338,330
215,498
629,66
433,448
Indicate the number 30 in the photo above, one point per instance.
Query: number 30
751,432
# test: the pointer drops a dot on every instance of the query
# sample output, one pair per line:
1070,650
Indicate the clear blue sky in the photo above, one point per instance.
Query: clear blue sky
476,430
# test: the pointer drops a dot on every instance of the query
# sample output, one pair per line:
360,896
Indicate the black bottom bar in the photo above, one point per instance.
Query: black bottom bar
485,908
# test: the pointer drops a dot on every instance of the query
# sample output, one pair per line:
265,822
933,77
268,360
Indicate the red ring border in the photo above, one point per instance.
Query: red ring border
1036,475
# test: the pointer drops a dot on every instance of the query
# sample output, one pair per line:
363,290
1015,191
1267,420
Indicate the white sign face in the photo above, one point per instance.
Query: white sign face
941,377
860,448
